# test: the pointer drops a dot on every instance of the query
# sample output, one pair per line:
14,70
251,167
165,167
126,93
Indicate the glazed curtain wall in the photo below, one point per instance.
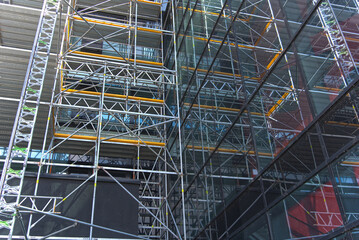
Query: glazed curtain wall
262,124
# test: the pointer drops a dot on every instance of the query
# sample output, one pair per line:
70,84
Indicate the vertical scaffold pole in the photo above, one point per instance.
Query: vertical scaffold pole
179,119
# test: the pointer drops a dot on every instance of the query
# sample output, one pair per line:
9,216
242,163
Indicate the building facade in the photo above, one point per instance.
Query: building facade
226,119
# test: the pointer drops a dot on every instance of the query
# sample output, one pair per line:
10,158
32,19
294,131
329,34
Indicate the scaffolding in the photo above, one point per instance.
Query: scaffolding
236,119
114,100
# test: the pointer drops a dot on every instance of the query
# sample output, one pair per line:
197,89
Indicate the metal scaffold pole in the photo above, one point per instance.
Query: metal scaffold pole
181,166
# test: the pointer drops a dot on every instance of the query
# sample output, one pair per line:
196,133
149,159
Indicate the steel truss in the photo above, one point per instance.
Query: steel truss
19,147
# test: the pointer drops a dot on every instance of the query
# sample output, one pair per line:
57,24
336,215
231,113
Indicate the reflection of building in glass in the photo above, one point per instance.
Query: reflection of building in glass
210,119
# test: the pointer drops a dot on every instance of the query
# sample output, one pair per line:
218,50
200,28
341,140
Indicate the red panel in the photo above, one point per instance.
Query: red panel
316,214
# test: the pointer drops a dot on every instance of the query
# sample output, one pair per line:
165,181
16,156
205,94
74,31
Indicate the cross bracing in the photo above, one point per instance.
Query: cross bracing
223,111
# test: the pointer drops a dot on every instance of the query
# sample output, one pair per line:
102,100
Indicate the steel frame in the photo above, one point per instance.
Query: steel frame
20,142
122,98
215,109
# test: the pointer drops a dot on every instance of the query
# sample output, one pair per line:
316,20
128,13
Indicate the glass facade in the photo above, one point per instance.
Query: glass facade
269,118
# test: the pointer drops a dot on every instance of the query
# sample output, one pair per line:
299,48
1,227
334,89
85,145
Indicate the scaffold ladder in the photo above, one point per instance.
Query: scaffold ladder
22,133
337,41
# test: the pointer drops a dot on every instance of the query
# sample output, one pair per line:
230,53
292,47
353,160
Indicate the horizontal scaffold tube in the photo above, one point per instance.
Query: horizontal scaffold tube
116,58
91,20
114,95
221,108
113,140
226,150
220,73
